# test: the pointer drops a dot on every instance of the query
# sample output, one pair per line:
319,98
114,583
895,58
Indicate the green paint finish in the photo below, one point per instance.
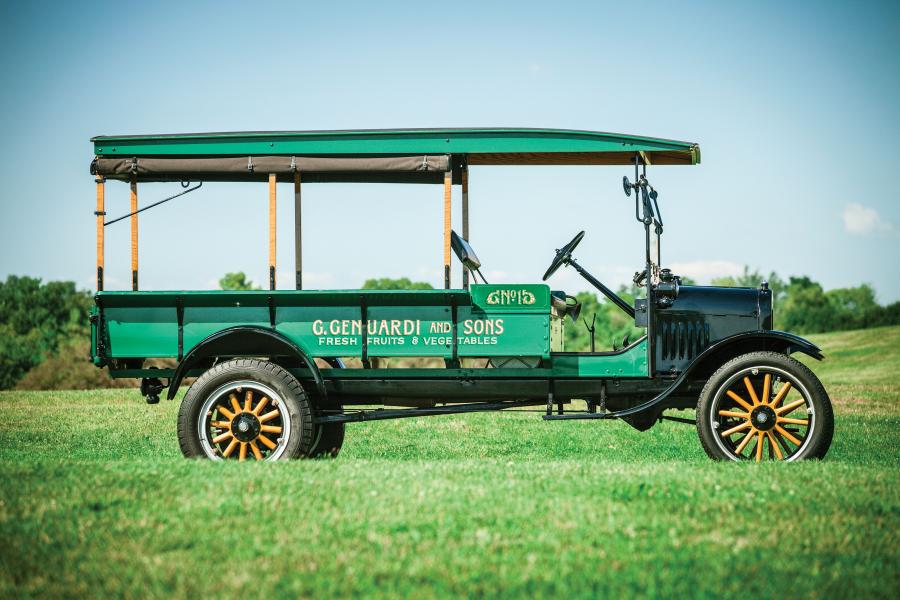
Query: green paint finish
328,323
416,331
401,323
147,332
380,142
201,322
630,363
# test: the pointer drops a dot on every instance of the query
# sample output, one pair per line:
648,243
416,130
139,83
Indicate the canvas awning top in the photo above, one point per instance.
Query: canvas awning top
401,155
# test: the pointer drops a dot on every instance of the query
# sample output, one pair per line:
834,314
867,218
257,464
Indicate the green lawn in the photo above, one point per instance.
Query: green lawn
96,500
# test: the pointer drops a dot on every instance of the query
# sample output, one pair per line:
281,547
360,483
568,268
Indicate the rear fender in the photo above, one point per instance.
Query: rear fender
244,340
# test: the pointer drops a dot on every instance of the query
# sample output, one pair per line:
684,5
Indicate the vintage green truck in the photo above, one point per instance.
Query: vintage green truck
271,366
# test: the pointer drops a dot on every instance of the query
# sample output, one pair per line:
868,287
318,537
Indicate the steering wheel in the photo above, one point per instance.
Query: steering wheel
562,255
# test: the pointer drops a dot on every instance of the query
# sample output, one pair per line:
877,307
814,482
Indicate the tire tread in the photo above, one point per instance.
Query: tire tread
822,403
296,400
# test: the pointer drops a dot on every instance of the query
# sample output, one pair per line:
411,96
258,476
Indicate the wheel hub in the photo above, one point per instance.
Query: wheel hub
763,418
245,427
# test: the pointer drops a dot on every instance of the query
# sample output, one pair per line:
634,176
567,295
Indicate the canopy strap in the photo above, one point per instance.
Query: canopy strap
184,184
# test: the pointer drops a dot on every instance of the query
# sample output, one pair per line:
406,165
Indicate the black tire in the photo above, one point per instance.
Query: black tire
274,390
329,437
760,410
329,440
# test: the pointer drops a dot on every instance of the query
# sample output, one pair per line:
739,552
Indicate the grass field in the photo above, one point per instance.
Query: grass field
97,501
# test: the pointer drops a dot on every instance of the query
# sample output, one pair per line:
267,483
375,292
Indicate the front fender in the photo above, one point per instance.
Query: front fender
751,341
244,340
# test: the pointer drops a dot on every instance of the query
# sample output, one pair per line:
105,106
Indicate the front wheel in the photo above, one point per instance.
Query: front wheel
764,406
245,409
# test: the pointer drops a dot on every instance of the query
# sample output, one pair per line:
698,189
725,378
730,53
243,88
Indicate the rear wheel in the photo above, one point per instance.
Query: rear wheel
245,409
764,406
329,440
329,436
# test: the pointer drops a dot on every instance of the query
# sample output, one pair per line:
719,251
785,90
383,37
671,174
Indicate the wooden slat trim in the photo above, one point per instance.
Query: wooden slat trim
298,232
134,236
101,217
465,218
273,184
448,195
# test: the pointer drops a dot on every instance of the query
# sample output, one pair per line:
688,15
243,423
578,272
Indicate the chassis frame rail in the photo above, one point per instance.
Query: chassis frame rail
403,413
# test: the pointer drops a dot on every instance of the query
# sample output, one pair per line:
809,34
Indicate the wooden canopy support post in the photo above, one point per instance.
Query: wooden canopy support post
101,216
448,194
465,219
298,232
273,181
134,236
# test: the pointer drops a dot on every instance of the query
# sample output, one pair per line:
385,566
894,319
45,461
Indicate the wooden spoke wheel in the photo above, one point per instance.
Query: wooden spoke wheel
244,419
764,406
246,409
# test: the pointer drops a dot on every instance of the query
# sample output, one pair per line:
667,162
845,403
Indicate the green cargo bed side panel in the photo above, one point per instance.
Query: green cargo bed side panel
494,320
142,332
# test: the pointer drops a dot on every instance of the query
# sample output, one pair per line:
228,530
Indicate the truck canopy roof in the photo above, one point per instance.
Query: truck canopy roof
376,155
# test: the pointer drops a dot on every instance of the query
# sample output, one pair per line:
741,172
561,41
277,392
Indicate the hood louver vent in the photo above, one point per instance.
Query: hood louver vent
682,339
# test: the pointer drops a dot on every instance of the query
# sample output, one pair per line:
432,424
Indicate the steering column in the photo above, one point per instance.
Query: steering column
564,257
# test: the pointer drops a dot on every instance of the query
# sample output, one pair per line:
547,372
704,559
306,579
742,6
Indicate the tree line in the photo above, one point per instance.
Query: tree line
45,332
37,321
800,304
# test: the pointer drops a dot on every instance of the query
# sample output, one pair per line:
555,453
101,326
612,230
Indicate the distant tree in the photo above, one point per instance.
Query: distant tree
805,308
860,299
887,315
18,354
69,369
53,307
577,335
404,283
237,282
853,308
611,327
34,318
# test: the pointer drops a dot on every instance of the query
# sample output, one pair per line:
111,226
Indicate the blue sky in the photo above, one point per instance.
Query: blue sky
793,104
